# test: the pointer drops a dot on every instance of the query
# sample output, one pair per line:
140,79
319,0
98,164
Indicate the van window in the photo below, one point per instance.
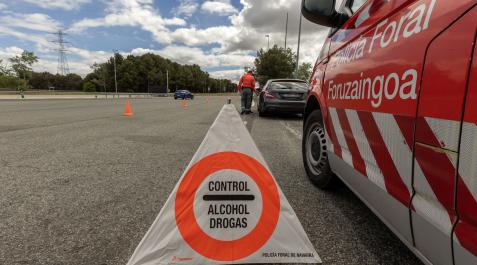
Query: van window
357,4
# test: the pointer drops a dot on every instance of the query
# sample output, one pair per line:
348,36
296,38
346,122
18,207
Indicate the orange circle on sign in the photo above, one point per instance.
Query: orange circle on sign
193,234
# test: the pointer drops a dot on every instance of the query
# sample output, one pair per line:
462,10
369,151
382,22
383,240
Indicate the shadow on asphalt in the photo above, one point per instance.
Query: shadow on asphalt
283,116
250,119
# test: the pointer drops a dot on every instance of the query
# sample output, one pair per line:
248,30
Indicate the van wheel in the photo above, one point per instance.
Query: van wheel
314,152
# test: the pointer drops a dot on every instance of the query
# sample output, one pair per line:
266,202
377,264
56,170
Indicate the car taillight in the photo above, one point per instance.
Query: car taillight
269,95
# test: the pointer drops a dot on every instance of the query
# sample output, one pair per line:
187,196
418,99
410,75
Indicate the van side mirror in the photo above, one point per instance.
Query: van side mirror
323,12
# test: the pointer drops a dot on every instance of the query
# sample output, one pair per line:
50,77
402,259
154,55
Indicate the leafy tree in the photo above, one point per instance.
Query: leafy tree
304,71
89,87
97,77
22,64
41,80
274,63
46,80
3,69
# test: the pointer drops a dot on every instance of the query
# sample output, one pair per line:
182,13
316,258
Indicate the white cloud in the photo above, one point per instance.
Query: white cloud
189,55
243,36
248,28
58,4
80,64
195,37
132,13
233,75
3,6
186,8
9,52
36,21
219,7
39,40
233,45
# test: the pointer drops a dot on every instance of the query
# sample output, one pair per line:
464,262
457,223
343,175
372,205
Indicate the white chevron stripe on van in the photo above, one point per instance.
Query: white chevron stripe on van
427,205
446,131
372,169
346,154
396,145
468,157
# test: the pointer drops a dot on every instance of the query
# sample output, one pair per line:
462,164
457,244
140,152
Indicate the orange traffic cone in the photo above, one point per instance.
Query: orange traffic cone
127,111
206,101
184,104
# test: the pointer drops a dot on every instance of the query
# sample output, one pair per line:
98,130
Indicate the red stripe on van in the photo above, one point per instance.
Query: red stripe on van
358,162
436,166
394,183
332,135
466,229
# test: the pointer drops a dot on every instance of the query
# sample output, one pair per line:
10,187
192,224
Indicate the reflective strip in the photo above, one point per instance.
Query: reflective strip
466,230
394,184
346,154
438,166
427,205
396,145
446,132
331,134
373,171
468,157
358,161
425,201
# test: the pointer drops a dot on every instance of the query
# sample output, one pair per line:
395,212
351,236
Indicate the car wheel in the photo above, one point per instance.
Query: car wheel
261,111
175,98
314,152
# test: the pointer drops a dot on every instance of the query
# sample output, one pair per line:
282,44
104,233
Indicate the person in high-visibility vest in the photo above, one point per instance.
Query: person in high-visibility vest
246,87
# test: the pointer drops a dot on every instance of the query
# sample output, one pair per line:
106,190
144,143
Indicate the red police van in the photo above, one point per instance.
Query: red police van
392,112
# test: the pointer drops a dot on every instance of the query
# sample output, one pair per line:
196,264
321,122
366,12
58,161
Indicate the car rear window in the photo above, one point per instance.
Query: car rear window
301,86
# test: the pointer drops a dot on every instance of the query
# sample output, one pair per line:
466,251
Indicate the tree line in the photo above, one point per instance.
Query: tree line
148,73
151,73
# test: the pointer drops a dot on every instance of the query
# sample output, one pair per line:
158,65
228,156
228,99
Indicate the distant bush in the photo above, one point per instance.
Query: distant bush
89,87
23,85
7,81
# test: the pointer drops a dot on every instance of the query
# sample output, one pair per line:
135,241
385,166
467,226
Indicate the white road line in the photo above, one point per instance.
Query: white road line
292,130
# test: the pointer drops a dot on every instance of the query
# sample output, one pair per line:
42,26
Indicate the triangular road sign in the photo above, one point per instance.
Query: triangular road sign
226,208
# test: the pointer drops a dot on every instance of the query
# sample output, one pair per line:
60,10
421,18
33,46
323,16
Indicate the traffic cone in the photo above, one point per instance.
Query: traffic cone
206,101
127,111
184,104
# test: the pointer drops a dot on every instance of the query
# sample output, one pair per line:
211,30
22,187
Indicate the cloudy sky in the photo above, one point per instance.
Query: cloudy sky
221,36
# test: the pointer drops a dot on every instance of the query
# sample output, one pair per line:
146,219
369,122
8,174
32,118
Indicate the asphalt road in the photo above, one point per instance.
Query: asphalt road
80,184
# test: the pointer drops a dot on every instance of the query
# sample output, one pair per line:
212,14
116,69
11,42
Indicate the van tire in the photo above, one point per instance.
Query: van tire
315,152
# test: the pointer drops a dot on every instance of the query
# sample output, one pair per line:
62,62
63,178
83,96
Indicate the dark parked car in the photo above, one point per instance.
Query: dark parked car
183,94
283,95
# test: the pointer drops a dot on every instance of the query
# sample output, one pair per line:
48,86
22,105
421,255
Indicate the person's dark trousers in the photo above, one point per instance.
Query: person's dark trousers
247,100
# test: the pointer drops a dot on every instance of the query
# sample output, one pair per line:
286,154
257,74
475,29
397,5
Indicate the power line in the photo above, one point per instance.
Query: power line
63,67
